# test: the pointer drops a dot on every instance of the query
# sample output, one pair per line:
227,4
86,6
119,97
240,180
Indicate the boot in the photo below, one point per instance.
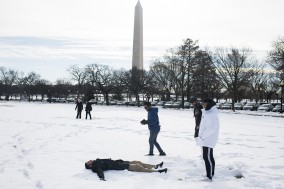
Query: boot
163,170
149,154
159,165
163,154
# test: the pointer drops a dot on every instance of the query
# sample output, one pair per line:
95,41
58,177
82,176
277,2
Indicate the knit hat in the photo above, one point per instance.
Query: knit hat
193,99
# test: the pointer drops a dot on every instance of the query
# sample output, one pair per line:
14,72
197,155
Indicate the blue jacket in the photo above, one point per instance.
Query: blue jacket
153,119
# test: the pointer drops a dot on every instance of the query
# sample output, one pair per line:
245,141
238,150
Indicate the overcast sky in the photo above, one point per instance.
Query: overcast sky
47,36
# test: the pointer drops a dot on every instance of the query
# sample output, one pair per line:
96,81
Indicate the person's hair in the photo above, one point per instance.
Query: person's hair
87,166
147,104
210,103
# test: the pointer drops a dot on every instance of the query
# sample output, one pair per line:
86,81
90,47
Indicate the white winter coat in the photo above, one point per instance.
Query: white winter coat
209,128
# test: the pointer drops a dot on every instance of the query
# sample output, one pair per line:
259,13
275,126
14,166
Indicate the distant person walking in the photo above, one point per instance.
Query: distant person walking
208,135
197,113
88,109
154,127
79,108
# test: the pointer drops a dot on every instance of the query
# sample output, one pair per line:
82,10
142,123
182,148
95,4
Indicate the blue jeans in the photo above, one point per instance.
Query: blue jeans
153,141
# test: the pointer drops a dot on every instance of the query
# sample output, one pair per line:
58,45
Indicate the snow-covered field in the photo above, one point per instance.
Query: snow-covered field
43,146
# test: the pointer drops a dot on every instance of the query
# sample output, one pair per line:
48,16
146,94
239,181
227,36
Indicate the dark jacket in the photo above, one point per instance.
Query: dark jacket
101,165
79,105
197,114
153,119
88,107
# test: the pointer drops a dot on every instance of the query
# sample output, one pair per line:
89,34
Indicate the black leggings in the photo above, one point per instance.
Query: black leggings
88,113
209,161
79,112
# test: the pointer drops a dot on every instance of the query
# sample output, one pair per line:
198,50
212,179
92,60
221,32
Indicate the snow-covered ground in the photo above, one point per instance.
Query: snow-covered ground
43,146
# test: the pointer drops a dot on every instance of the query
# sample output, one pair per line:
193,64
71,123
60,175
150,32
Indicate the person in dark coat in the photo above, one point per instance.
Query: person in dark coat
88,109
154,127
79,108
197,113
100,165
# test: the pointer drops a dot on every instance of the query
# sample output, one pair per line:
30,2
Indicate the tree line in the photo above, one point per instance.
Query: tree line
183,71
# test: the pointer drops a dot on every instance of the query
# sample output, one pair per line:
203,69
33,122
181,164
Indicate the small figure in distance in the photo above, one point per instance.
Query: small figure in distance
197,113
100,165
79,108
88,109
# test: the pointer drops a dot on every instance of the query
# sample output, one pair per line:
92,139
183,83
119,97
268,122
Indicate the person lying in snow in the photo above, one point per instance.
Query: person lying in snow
100,165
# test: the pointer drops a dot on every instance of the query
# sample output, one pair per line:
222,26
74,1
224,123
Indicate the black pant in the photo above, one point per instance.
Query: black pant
153,141
196,132
88,113
209,161
79,114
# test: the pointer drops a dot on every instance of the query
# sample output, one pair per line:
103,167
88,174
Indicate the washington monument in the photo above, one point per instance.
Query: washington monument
137,54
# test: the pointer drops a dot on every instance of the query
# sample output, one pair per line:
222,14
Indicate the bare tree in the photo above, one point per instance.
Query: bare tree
137,81
163,76
258,81
79,76
178,66
172,62
29,82
153,88
119,88
276,57
8,78
62,88
234,68
102,77
41,87
175,71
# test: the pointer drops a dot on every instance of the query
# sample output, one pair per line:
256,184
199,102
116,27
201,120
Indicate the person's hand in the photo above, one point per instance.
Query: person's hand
143,122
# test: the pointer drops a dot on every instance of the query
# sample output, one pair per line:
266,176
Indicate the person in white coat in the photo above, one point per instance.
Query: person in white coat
208,134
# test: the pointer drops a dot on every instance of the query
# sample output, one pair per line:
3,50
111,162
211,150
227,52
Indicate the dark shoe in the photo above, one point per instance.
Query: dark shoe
159,165
163,154
207,179
163,170
149,155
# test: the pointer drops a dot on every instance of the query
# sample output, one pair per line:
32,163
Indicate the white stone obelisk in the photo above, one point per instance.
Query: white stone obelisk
137,54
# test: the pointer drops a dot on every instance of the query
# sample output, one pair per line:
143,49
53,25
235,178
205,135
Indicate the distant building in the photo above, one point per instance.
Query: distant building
137,54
